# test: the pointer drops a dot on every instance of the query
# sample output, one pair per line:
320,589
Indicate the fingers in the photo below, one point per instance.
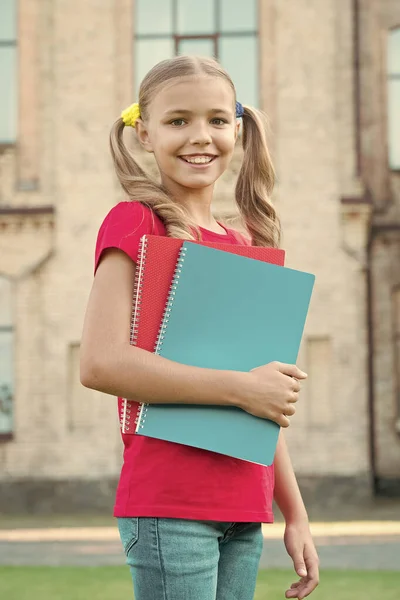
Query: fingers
312,563
290,370
300,566
295,589
290,410
303,588
296,387
294,586
300,590
282,420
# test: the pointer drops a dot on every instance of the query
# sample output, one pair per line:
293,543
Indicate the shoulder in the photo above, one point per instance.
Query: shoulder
123,227
239,237
130,216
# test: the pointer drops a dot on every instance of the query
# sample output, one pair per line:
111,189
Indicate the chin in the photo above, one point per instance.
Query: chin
196,185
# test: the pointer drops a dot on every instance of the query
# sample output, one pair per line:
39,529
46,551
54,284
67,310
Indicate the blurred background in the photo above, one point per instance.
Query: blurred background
327,73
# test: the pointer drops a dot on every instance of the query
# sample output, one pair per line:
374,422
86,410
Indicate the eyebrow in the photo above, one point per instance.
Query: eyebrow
182,111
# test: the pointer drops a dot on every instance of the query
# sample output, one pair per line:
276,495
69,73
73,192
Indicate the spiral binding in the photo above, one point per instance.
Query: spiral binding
142,413
125,415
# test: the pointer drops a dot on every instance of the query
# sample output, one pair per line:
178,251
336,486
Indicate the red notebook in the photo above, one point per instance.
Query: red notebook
155,270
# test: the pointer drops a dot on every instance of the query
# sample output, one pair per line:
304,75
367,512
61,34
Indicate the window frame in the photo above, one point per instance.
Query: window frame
9,327
216,36
389,78
396,350
12,43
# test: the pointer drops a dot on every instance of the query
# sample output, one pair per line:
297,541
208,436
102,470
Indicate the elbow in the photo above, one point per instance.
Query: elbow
86,375
90,372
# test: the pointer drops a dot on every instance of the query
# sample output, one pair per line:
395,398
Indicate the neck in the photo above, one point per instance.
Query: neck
197,202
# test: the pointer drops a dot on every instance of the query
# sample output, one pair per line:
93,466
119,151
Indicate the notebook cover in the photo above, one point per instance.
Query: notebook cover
155,269
232,313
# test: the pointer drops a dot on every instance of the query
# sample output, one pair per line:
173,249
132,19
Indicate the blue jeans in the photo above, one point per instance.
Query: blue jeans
179,559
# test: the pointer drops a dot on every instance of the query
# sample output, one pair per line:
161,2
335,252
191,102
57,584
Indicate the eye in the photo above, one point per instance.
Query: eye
219,121
178,122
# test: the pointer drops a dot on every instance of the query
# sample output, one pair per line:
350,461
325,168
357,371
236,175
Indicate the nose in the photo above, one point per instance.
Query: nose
200,134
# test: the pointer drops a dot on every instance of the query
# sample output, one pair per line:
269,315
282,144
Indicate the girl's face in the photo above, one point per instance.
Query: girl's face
192,129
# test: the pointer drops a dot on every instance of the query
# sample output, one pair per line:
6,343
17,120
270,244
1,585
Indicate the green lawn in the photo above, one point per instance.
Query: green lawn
113,583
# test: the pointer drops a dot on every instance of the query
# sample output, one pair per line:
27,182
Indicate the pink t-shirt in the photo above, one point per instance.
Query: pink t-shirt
164,479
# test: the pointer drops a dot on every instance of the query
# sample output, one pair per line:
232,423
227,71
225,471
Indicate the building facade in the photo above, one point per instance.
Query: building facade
327,72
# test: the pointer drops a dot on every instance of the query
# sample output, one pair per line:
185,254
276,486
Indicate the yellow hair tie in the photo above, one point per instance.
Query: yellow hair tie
130,115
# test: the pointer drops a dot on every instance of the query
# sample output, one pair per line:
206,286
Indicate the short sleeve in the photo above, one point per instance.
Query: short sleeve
240,238
123,228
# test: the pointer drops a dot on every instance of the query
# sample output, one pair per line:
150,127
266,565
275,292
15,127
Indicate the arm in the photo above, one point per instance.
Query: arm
111,365
298,539
287,493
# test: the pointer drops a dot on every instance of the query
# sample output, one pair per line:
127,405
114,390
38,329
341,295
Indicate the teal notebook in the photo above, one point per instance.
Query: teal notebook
227,312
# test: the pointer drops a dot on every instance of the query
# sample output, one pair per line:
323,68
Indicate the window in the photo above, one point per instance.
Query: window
393,67
6,357
225,29
396,344
8,71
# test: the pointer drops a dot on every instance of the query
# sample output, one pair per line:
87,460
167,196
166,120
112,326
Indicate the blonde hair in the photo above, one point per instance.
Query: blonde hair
255,180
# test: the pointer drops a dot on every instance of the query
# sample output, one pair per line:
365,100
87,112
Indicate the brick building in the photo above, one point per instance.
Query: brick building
328,74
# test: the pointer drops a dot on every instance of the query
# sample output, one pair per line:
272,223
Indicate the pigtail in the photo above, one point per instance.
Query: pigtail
140,188
256,181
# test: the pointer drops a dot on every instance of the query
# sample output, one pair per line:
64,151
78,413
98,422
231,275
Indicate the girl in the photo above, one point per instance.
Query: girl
190,520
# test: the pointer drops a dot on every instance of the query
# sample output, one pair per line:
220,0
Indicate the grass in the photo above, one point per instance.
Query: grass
106,583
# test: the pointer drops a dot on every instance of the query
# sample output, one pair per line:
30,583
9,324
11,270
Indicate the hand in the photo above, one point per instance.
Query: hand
301,549
274,391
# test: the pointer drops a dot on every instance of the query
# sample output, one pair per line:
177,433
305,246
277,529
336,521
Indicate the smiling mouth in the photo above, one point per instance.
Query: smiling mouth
204,159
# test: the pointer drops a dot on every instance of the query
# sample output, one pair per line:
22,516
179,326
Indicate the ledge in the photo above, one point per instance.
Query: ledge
28,210
4,146
366,199
26,238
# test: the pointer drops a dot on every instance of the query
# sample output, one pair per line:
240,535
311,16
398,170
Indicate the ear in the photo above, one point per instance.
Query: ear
143,135
237,128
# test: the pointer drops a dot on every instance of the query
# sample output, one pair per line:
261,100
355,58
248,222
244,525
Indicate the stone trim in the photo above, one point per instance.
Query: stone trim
356,200
27,210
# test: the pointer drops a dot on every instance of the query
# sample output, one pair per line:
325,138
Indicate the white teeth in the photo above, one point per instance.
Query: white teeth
199,160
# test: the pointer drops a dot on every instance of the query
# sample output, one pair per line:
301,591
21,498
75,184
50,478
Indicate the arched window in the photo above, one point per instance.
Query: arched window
393,63
8,71
225,29
6,357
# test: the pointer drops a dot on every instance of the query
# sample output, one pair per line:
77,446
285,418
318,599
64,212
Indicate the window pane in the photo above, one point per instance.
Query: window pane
239,56
8,20
149,53
394,52
196,17
6,381
8,95
6,317
199,47
154,16
394,123
237,17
